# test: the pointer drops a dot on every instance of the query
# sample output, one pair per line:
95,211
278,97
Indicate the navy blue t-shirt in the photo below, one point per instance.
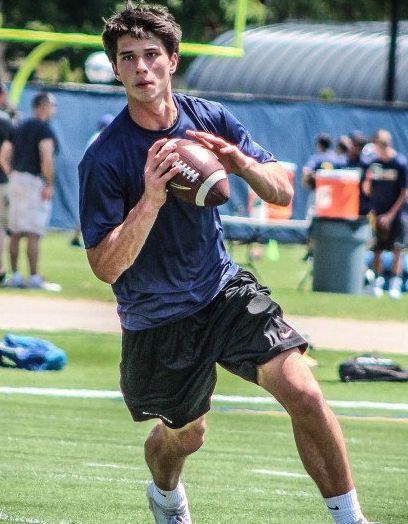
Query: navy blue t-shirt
183,263
27,136
388,179
324,160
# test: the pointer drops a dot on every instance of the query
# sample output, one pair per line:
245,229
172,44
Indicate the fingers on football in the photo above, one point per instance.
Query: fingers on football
167,165
207,139
156,146
164,158
168,175
228,149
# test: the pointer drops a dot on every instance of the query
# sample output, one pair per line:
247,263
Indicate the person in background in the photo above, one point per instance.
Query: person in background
343,147
385,182
31,187
184,304
103,123
325,157
6,132
358,159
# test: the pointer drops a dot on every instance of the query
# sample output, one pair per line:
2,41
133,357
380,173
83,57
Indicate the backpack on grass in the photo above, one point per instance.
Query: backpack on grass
31,353
371,367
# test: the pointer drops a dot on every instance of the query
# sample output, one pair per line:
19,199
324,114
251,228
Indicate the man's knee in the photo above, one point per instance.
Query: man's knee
292,383
191,437
308,400
183,441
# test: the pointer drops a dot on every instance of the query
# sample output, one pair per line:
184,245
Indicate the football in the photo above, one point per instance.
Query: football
202,179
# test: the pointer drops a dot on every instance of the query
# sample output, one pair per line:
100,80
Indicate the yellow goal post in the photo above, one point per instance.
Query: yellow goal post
48,42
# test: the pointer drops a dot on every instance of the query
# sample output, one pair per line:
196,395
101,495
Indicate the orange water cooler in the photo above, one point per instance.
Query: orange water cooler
337,193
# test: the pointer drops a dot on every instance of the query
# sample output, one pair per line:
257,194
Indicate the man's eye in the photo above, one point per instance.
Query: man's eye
127,57
151,55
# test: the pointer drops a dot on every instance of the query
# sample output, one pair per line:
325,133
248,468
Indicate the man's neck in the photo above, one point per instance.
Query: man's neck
152,115
388,155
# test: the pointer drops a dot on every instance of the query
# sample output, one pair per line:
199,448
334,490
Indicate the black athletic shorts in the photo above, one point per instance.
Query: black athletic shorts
169,372
396,237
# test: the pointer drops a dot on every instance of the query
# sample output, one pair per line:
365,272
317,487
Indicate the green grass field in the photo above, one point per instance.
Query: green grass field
79,461
68,266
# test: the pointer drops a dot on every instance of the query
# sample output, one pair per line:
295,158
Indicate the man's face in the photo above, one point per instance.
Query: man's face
50,107
144,67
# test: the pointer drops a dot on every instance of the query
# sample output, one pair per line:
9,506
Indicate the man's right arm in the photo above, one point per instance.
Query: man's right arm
121,246
118,250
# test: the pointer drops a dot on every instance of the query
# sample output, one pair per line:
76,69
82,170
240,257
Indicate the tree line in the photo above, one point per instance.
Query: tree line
201,21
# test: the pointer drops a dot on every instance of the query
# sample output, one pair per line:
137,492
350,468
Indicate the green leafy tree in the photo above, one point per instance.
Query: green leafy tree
201,21
331,10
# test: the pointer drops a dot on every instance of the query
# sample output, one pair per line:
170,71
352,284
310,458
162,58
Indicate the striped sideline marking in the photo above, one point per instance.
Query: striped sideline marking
231,399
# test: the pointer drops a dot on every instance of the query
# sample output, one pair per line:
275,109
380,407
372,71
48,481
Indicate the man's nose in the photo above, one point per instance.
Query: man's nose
140,64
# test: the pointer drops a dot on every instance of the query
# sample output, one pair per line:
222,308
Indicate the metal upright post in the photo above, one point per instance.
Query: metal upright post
389,94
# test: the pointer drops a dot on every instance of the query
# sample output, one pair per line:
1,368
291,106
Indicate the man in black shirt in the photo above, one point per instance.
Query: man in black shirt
31,186
385,181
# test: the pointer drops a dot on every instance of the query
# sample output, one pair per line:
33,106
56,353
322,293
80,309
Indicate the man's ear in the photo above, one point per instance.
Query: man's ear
174,59
115,71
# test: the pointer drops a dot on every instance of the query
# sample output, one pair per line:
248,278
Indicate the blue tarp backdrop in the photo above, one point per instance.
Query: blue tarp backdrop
288,129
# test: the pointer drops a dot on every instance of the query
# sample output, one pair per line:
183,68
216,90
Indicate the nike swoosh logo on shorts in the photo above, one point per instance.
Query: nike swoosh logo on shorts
287,334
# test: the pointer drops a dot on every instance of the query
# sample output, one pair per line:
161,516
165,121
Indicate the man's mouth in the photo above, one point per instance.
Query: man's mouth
144,83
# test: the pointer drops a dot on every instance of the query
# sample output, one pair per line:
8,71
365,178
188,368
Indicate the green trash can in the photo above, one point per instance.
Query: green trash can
339,248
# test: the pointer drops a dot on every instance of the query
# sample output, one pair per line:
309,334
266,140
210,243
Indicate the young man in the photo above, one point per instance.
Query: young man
183,303
31,187
385,182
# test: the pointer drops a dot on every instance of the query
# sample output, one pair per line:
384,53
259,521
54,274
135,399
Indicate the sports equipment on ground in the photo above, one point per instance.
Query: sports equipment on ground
202,179
162,515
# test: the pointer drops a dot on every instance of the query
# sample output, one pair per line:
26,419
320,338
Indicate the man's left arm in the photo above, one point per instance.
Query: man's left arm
46,149
269,180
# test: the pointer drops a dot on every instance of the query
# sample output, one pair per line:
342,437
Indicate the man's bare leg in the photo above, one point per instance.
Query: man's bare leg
317,433
165,452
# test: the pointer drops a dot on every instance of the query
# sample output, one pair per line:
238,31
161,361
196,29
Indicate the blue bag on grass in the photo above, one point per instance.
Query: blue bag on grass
31,353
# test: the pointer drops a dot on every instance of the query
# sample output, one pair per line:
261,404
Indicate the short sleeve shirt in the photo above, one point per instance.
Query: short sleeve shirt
27,137
183,263
388,179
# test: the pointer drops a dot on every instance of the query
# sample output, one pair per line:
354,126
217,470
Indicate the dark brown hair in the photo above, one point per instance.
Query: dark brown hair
141,21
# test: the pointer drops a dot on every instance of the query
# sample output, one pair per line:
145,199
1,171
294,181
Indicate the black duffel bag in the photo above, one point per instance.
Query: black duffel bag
371,367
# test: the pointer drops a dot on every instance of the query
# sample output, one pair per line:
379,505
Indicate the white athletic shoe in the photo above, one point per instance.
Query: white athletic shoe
37,282
395,287
180,515
16,280
378,289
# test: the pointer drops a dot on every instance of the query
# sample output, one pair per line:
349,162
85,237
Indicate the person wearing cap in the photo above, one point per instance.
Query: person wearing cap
103,122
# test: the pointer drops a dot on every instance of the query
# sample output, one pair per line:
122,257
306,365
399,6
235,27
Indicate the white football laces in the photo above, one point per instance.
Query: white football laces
187,171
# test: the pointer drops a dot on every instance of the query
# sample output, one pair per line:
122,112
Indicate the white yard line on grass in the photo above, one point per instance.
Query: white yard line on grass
6,517
274,473
230,399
